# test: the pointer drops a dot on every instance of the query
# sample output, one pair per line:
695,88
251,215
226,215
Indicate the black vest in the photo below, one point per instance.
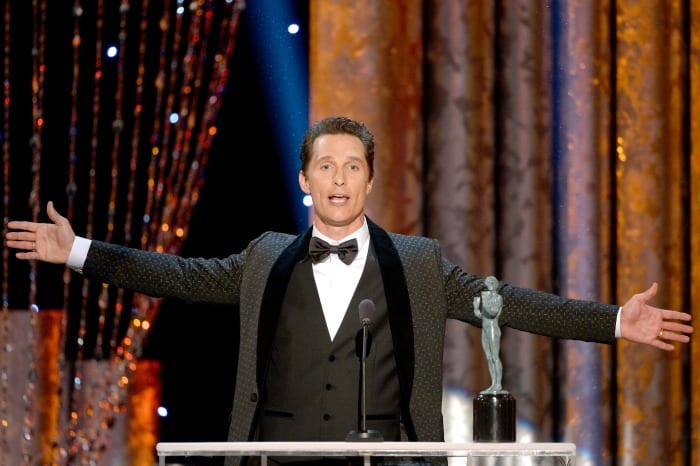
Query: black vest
311,389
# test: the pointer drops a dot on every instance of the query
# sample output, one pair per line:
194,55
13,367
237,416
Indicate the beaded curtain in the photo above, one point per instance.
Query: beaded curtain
109,110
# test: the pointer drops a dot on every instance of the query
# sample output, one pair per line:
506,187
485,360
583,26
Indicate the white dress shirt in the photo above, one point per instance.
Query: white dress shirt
336,281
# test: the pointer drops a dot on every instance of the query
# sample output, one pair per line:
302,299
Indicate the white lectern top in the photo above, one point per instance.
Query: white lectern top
565,452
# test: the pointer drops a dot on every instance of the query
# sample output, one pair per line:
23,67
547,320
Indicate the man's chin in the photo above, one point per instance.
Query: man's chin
338,221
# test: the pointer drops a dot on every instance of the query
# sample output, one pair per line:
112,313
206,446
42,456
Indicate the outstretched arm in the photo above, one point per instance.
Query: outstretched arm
643,323
48,242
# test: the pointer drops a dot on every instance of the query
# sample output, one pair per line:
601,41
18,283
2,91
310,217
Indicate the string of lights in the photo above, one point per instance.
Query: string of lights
5,323
144,175
122,348
76,439
59,454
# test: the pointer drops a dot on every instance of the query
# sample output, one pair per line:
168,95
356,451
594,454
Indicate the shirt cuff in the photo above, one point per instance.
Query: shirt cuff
618,332
78,253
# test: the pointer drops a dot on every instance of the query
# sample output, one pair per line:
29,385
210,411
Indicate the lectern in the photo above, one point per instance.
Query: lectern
476,454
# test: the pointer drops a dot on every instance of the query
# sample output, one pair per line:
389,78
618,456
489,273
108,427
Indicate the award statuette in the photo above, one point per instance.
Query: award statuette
494,408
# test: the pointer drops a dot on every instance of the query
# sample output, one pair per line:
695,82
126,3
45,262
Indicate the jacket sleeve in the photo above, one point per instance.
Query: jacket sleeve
532,310
162,275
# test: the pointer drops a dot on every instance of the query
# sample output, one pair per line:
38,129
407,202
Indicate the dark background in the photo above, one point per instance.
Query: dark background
249,187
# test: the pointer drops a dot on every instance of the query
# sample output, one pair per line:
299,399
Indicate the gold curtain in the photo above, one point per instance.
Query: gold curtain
694,223
554,150
582,180
650,219
357,52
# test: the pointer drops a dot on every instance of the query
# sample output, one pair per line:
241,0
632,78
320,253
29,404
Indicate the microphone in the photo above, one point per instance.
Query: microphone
366,311
363,340
366,308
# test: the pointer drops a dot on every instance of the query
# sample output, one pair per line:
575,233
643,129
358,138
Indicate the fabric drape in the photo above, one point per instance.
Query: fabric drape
555,151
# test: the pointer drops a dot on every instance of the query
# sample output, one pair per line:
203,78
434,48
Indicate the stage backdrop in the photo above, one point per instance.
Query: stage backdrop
109,110
549,143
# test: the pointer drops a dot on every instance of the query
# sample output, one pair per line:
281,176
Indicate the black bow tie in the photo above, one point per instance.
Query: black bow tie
319,250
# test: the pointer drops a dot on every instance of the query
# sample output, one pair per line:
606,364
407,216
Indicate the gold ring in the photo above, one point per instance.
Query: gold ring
660,334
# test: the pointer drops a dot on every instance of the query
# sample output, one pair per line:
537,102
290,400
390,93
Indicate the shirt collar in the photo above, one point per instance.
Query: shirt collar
361,235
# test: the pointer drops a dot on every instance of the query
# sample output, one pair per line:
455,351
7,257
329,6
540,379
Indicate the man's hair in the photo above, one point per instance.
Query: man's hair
337,125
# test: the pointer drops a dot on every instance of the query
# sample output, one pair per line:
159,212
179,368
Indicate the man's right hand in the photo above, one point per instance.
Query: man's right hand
48,242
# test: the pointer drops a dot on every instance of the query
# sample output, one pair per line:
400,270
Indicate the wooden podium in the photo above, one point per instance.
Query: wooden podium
491,454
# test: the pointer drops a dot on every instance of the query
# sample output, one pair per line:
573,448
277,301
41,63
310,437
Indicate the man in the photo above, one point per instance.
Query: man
297,369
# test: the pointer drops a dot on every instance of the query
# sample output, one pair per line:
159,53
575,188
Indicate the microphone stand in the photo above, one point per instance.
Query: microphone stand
363,434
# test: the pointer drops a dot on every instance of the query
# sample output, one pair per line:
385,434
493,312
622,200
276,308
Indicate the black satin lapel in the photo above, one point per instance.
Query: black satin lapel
273,295
399,310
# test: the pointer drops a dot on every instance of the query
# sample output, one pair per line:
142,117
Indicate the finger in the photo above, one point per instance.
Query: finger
22,225
25,245
676,327
27,255
19,236
51,211
668,314
21,241
671,336
676,337
13,244
674,331
662,345
53,214
651,291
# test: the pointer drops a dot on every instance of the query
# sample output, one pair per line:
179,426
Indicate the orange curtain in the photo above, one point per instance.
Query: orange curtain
694,224
651,218
358,53
554,150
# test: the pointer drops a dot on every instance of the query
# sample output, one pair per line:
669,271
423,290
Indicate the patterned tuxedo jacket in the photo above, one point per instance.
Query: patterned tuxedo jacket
422,290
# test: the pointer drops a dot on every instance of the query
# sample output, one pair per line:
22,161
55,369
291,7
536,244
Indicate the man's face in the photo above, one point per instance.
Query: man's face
337,177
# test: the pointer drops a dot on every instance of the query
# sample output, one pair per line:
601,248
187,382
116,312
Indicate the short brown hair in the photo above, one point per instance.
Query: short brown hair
337,125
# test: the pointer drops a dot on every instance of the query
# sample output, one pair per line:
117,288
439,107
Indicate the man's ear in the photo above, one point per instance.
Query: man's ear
304,182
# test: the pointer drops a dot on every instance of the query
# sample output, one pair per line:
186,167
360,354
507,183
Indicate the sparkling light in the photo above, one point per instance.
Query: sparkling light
101,370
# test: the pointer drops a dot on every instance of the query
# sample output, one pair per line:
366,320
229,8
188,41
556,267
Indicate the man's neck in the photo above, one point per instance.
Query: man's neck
338,233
